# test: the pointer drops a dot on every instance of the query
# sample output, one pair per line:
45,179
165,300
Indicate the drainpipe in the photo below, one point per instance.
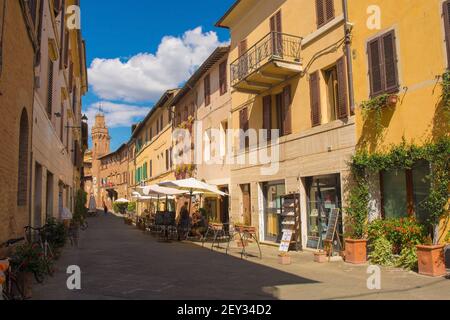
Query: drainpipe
348,54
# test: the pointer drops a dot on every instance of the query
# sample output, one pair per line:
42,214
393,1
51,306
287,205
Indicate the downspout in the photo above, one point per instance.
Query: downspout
348,54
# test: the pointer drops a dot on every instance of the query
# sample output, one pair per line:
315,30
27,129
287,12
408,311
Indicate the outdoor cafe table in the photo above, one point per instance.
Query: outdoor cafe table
217,230
246,234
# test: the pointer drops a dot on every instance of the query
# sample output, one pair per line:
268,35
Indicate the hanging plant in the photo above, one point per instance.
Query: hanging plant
373,109
446,89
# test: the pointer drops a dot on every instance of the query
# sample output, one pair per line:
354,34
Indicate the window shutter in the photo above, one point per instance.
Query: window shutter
315,99
320,13
390,62
243,124
71,77
167,160
151,168
375,70
342,89
287,118
50,89
267,115
207,87
446,10
66,49
63,40
329,10
223,78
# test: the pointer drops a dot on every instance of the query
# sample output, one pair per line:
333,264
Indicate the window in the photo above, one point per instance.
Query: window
243,124
23,160
151,168
207,89
314,85
336,81
404,190
276,29
161,121
167,160
50,89
283,111
151,133
267,116
383,64
223,78
324,11
446,10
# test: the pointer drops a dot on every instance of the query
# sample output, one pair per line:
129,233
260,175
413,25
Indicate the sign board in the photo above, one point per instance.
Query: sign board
286,240
332,225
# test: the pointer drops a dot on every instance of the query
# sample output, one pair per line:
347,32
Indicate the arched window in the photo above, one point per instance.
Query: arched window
23,160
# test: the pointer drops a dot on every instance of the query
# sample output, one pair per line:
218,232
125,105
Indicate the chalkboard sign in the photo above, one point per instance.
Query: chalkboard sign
332,225
286,240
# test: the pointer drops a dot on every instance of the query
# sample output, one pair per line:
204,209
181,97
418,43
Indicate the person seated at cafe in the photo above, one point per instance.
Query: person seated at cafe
199,224
184,220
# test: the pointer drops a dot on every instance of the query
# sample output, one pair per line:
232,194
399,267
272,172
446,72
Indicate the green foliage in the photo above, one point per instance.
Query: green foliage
373,109
393,242
56,234
447,239
29,258
356,212
402,157
80,207
381,252
446,89
408,258
132,206
120,207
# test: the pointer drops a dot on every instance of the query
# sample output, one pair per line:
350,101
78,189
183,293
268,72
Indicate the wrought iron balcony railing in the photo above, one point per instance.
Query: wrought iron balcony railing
273,46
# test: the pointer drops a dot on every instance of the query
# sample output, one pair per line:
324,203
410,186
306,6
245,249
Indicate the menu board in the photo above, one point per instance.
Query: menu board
286,240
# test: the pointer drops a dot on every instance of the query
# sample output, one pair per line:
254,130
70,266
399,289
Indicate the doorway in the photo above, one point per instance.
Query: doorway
37,218
246,204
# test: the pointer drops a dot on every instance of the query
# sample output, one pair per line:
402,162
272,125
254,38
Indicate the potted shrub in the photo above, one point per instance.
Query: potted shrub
355,224
284,258
27,260
320,256
431,255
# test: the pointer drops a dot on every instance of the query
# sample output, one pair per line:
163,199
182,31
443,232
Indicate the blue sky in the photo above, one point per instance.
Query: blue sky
136,49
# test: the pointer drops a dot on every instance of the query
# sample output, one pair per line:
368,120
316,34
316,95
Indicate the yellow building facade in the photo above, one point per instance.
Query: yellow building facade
400,49
288,73
150,148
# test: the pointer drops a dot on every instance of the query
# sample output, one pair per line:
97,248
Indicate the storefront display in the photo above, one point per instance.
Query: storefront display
273,191
324,195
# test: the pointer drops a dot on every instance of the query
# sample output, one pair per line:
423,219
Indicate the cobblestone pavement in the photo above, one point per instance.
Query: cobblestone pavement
120,262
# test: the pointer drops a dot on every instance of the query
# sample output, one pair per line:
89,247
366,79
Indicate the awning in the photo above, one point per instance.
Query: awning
193,185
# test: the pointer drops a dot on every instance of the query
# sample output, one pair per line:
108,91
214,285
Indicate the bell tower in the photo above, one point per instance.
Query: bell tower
100,147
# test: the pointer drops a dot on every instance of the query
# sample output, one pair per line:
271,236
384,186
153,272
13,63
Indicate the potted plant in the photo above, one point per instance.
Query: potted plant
284,259
320,256
355,224
27,260
431,255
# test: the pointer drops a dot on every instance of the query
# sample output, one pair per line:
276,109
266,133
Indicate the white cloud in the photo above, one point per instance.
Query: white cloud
145,76
117,115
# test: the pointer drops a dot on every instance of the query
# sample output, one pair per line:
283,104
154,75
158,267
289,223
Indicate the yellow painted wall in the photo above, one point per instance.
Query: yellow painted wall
419,29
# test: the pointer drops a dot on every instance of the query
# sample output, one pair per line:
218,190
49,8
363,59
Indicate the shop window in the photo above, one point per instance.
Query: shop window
272,210
403,191
324,195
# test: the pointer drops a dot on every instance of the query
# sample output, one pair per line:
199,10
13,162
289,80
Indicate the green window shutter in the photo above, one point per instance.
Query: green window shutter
145,171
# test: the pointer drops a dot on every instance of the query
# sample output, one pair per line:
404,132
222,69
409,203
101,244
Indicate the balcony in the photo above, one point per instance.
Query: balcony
272,60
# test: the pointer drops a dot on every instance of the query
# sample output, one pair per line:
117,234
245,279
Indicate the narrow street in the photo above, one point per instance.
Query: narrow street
120,262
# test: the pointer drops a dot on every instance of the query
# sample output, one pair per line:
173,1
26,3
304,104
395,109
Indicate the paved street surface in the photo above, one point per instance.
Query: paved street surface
120,262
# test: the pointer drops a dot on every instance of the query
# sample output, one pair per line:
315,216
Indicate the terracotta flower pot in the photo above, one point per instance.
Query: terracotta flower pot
241,244
320,257
26,282
356,251
392,100
284,260
431,260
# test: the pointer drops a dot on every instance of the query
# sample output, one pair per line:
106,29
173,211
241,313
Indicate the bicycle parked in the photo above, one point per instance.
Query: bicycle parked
39,236
11,288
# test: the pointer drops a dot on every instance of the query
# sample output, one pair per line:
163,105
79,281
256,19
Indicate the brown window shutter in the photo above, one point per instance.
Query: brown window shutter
207,89
446,10
223,78
71,77
242,47
267,115
375,67
66,50
342,89
243,124
50,89
63,40
329,10
316,114
287,117
390,62
320,11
